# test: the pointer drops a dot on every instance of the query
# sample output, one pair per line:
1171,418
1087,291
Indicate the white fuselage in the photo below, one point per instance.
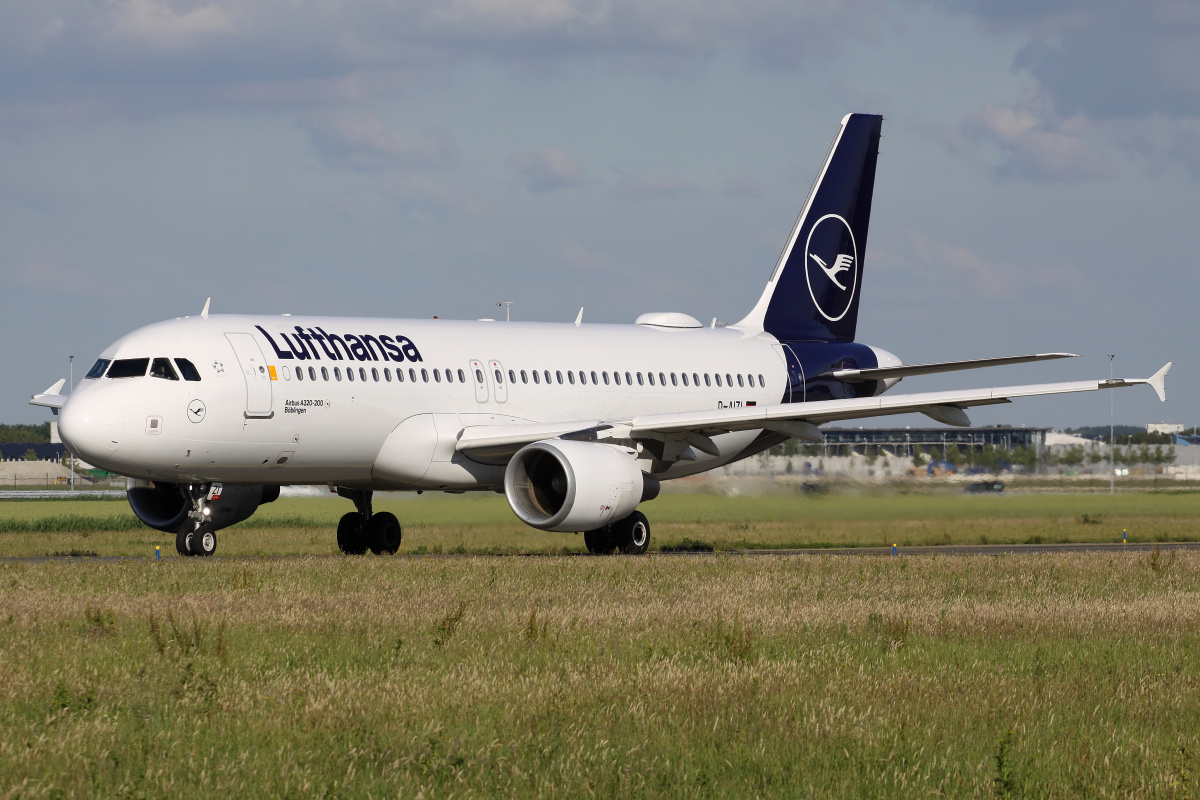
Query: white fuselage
258,416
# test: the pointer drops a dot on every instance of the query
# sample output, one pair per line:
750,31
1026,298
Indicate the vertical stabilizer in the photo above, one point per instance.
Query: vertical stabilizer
814,291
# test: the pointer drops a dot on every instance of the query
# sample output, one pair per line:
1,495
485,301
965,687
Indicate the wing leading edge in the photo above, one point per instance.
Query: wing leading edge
493,443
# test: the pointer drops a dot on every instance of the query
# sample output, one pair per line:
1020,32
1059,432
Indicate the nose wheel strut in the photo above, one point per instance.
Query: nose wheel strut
197,537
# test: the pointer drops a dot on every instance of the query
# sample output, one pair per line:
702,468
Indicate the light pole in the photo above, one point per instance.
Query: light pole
1112,462
71,370
507,309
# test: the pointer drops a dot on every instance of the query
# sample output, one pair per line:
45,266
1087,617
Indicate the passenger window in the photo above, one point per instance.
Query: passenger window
412,374
650,376
617,378
399,375
350,374
674,382
741,383
424,376
437,376
324,374
717,376
299,373
187,369
662,379
761,382
628,382
536,378
478,376
98,368
695,379
362,373
374,374
524,377
594,381
582,378
387,374
605,376
684,377
462,378
707,382
728,380
558,375
499,378
512,376
161,368
639,379
571,377
337,373
128,368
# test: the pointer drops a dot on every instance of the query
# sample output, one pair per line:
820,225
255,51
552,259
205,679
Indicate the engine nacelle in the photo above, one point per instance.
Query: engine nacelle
563,485
165,506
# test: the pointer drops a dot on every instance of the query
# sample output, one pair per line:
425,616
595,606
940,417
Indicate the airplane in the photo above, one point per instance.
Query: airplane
577,424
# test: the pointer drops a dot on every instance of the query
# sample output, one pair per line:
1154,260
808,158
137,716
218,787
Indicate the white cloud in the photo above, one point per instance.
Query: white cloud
363,141
547,169
939,261
1029,140
743,189
157,24
656,187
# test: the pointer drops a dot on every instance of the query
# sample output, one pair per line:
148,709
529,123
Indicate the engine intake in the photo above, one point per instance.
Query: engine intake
165,506
563,485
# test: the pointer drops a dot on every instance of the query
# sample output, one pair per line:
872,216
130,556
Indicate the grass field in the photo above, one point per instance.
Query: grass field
474,524
668,676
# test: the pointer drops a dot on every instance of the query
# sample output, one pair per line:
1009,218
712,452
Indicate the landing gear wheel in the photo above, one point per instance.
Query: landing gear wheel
600,541
183,543
350,534
382,533
204,542
632,534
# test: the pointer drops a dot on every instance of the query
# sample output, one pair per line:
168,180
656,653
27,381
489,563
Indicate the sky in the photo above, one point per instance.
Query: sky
1038,186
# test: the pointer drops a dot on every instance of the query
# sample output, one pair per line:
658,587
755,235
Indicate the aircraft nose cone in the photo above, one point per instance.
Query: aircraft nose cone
92,427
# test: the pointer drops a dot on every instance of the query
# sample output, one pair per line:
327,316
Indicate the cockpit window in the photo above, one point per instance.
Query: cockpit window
128,368
187,369
161,368
98,368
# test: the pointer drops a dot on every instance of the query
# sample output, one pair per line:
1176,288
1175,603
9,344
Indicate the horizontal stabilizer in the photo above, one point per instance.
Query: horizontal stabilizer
51,397
906,370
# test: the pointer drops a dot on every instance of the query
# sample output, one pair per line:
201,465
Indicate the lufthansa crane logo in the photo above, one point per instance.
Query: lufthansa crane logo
831,265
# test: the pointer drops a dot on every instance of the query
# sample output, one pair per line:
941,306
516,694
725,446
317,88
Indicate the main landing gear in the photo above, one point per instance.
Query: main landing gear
362,530
630,535
197,537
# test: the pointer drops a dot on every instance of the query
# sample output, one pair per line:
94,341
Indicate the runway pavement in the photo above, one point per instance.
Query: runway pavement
919,550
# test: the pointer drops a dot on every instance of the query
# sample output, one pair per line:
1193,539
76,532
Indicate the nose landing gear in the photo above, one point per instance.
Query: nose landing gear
361,530
197,537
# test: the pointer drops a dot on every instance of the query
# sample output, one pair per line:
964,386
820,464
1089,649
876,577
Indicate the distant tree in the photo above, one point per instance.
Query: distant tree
17,434
1072,457
30,455
1094,455
919,459
954,454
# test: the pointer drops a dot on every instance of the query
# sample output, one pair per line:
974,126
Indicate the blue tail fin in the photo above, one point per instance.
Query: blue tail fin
813,293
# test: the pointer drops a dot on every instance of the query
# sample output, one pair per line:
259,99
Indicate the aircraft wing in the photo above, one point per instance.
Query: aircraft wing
795,419
906,370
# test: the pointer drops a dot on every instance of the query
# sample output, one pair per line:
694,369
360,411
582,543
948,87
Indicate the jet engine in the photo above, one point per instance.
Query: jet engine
563,485
166,506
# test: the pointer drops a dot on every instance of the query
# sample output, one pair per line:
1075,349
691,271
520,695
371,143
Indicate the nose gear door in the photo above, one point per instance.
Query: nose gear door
256,373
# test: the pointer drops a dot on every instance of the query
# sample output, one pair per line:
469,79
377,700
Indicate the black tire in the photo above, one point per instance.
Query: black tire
383,533
183,543
350,534
599,542
204,542
632,534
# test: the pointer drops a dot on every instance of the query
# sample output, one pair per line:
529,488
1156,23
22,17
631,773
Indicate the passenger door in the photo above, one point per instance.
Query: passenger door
256,373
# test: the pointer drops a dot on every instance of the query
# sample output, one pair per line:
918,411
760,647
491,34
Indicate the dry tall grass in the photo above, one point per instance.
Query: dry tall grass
715,676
